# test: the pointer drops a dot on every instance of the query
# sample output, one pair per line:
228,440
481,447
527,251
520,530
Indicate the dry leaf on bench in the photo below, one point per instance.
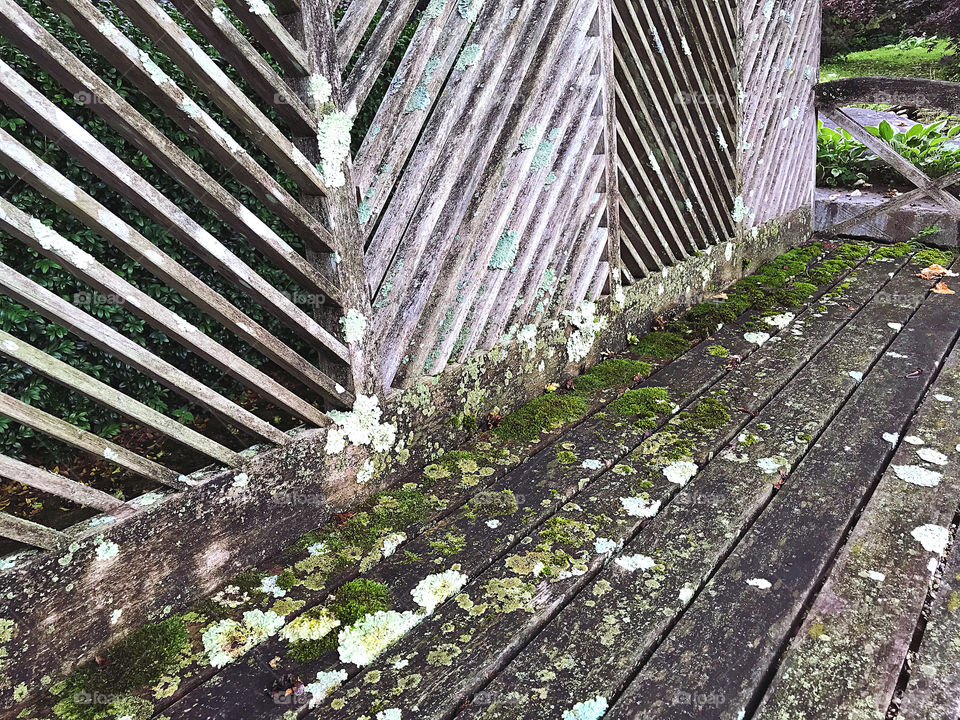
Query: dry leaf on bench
941,289
935,271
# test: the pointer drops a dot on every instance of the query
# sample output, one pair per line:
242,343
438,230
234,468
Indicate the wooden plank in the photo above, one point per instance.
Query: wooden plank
933,692
128,407
870,604
84,267
918,92
99,447
285,50
241,54
484,627
609,97
623,613
31,533
890,156
792,542
57,188
352,26
55,309
33,106
62,487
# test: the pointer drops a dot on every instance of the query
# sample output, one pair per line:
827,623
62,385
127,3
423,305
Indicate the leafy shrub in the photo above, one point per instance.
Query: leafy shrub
845,162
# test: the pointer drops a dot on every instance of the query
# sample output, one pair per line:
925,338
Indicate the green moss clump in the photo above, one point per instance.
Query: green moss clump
891,252
286,580
709,414
661,344
491,504
565,457
852,252
352,602
718,351
643,404
572,533
450,544
796,294
932,256
609,373
139,660
547,412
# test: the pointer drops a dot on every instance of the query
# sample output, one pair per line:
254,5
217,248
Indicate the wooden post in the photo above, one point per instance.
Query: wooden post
609,99
313,26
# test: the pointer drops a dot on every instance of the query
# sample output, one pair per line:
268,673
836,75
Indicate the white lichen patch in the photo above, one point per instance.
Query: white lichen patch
389,714
876,576
106,549
591,464
640,507
361,426
493,524
856,375
896,327
760,583
258,7
319,89
780,321
226,640
506,251
680,472
333,140
587,326
592,709
365,473
52,241
892,438
325,683
932,456
605,545
364,641
469,9
771,465
740,212
269,586
685,595
389,544
527,335
916,475
434,589
943,398
632,563
757,338
913,440
934,538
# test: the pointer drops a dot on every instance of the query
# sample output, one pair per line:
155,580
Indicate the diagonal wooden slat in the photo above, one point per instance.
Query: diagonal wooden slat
273,36
48,424
31,533
62,487
62,373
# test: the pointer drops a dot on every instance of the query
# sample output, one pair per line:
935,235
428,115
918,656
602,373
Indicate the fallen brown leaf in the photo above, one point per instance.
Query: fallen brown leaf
941,289
935,271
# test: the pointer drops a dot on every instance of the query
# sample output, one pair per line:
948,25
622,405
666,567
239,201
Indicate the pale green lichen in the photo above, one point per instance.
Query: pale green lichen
364,641
506,251
225,641
587,326
528,138
360,426
468,56
333,140
469,9
354,325
434,589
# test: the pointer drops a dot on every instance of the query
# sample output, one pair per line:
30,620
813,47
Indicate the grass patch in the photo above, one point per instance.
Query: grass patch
921,60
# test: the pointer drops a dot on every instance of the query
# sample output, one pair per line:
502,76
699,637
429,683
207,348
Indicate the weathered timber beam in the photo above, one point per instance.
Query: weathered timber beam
53,122
609,98
56,309
31,533
65,432
349,31
136,411
48,482
916,92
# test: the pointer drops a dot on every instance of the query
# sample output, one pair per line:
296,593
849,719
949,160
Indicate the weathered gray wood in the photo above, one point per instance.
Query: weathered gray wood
56,187
482,627
41,113
128,407
200,68
792,542
375,52
933,692
917,92
30,533
62,487
863,620
273,36
239,52
83,266
609,96
54,308
48,424
354,23
899,163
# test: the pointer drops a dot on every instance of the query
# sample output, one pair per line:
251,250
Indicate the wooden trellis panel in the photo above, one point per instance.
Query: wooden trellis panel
331,371
677,108
778,141
472,196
